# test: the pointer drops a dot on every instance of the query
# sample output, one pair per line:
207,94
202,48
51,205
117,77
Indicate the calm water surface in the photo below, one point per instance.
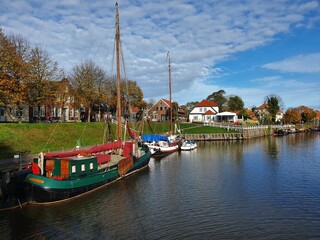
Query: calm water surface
266,188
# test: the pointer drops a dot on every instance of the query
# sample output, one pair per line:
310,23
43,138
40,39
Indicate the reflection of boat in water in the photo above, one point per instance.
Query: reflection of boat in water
280,132
61,176
188,145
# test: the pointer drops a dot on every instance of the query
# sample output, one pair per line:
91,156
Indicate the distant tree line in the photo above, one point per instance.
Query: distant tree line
28,75
274,104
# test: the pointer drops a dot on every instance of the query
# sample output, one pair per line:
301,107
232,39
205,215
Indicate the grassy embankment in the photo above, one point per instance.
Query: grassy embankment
36,137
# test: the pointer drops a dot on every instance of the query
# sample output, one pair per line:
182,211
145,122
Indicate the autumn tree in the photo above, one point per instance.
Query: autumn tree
89,82
131,96
21,45
43,70
307,114
219,98
292,115
13,72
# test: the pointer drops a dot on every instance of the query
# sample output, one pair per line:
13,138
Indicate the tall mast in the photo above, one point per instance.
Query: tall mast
169,62
118,71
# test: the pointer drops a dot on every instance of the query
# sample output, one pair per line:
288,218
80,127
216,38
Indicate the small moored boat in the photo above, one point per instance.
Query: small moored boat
188,145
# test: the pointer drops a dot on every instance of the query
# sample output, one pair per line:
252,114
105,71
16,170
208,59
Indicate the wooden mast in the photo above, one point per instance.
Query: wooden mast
118,71
169,62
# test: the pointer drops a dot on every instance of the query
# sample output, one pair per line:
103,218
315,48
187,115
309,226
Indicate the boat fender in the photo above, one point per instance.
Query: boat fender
41,161
35,169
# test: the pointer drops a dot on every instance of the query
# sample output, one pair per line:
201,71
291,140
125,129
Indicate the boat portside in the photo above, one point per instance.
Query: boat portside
41,189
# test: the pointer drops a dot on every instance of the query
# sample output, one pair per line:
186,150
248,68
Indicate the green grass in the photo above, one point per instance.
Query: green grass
36,137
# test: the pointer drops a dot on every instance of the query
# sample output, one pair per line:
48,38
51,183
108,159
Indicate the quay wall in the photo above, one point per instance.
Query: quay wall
242,135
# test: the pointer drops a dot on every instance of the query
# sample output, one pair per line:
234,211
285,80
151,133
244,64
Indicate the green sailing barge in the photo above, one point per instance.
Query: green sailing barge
60,176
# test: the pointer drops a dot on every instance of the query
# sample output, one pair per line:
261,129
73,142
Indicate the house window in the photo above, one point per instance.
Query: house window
205,109
200,109
76,112
58,112
91,166
42,111
19,113
160,108
35,112
71,112
165,108
73,169
83,167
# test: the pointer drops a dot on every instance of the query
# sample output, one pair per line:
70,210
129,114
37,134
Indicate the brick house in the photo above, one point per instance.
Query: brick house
159,112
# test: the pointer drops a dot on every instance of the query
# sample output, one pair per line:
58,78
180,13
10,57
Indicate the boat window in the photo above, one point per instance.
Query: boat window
91,165
83,167
73,169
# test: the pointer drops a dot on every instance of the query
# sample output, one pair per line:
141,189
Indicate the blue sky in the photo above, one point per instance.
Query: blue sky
248,48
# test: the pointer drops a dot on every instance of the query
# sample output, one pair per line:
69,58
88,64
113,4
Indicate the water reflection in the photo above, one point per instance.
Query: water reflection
266,188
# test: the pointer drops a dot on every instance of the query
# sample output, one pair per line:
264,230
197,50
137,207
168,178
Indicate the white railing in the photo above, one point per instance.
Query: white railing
240,127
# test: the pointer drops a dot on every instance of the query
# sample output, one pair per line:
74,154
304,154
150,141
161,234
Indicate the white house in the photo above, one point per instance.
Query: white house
226,117
204,111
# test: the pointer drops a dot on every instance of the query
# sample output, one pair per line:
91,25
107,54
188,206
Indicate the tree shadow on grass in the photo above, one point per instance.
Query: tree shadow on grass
6,151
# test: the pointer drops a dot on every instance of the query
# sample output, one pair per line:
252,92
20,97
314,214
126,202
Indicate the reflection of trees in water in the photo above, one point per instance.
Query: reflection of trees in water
272,147
224,149
301,139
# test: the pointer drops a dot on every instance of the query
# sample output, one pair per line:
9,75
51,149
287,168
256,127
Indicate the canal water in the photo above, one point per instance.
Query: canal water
265,188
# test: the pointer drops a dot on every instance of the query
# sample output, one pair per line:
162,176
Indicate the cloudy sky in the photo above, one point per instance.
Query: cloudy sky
249,48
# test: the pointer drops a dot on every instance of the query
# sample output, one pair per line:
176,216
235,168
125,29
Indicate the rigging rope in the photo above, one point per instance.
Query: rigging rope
54,129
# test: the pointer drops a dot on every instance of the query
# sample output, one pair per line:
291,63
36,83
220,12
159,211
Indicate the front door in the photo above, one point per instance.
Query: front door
2,118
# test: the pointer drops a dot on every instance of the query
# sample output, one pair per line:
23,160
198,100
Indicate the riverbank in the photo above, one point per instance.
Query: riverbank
32,138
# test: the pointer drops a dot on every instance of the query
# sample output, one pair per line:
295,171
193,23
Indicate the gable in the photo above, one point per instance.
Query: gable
161,103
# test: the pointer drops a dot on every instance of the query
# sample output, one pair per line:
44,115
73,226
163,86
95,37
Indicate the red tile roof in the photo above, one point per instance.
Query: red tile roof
207,103
262,107
135,109
209,112
167,102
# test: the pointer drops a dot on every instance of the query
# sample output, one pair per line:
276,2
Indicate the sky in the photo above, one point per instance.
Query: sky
249,48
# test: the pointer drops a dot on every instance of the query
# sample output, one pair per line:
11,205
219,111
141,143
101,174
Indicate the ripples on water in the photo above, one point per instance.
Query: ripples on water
266,188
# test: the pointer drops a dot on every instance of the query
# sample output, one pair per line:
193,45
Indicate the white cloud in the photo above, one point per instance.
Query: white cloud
198,34
309,63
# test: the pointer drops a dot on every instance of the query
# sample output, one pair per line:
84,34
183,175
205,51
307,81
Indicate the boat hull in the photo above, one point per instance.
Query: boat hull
164,151
40,189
